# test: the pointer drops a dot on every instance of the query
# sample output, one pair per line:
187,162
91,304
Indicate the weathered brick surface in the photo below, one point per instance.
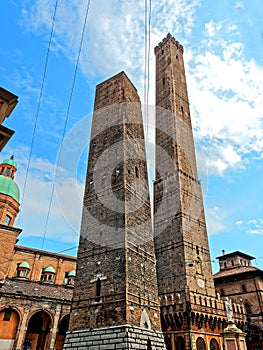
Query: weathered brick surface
180,229
116,247
185,281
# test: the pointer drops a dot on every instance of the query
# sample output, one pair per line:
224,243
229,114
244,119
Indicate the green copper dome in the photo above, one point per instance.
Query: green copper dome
72,273
10,161
50,269
24,264
9,187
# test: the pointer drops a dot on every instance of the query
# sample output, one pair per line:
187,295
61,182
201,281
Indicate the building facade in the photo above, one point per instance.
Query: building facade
35,285
239,280
8,101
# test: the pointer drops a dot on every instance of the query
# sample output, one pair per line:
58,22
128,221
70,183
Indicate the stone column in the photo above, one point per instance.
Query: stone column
22,330
55,326
234,338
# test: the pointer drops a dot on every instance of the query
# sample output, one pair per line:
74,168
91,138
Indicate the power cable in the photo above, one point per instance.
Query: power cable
66,120
38,105
147,47
148,67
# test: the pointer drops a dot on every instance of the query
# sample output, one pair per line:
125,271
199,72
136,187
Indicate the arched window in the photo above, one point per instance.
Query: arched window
248,310
180,344
214,344
200,344
168,343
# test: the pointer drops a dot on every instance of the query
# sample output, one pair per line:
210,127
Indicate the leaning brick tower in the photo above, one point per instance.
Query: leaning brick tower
115,300
192,315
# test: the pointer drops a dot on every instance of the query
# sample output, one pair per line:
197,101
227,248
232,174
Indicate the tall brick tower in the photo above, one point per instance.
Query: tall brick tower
190,310
115,301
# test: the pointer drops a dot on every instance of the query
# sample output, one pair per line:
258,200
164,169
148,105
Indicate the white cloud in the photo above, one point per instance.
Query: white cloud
215,220
252,226
239,222
212,28
239,5
226,94
255,227
225,88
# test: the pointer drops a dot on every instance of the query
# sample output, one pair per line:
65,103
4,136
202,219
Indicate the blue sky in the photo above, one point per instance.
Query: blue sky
223,45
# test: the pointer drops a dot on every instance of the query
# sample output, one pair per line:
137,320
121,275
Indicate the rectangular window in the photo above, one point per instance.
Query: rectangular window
66,278
7,220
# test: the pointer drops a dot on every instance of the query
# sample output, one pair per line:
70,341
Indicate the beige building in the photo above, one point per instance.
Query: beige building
35,285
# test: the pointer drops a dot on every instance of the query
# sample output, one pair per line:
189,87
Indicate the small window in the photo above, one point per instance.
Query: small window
163,81
98,289
197,250
232,262
248,310
225,264
137,172
66,278
182,109
244,288
222,292
23,273
7,220
7,315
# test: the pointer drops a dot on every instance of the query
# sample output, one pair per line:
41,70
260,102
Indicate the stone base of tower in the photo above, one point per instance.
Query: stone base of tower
123,337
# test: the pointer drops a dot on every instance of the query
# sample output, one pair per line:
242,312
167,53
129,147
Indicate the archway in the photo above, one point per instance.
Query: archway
180,344
62,330
9,320
200,344
214,344
38,329
168,343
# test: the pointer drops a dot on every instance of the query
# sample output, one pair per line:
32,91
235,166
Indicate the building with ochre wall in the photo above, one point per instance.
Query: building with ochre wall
35,285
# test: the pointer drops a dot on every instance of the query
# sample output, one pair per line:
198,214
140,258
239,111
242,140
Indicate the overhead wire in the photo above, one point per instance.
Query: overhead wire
38,105
66,120
148,66
147,47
